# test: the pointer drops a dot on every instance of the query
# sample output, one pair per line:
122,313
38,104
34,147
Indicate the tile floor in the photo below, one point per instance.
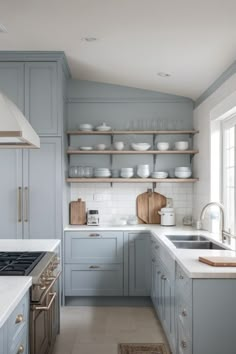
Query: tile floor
98,330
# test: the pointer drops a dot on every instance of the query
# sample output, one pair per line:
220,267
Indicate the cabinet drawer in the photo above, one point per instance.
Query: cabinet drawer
18,319
20,346
94,246
184,341
183,285
184,315
94,279
167,260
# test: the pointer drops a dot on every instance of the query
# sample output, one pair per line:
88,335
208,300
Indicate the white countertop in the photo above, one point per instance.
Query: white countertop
15,245
186,258
12,289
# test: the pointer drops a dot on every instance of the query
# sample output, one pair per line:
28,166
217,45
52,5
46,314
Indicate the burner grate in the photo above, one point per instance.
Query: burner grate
19,263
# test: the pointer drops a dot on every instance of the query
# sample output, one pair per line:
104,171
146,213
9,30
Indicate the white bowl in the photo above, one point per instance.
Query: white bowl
103,128
183,169
163,146
86,127
126,174
100,147
118,145
160,174
140,146
181,145
183,174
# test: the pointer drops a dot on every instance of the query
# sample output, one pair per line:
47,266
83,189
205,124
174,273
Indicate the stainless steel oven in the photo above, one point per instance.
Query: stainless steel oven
44,305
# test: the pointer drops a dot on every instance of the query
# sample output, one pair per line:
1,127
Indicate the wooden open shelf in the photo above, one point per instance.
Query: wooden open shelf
130,152
129,132
131,180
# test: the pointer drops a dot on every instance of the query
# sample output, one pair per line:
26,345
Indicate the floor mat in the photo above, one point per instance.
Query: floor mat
142,348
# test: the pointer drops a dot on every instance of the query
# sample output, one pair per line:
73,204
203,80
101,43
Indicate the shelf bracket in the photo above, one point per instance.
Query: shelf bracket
154,185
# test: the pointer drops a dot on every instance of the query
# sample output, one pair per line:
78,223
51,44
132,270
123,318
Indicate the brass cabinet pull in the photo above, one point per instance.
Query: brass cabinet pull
94,267
21,349
26,218
94,235
19,318
19,204
181,276
183,344
184,313
156,247
47,308
163,277
159,272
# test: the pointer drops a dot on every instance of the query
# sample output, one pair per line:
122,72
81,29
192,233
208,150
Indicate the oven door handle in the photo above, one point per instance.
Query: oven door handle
47,308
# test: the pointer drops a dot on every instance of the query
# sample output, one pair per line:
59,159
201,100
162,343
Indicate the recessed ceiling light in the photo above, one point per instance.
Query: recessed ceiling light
162,74
2,28
89,39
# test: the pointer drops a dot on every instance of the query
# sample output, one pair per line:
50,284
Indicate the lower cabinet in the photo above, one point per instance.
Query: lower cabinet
163,290
93,263
139,264
14,335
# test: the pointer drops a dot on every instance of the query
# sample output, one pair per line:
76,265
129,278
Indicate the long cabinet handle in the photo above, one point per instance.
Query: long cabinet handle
94,267
19,204
26,212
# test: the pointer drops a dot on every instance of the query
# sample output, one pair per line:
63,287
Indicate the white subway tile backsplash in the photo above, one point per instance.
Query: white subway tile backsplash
120,200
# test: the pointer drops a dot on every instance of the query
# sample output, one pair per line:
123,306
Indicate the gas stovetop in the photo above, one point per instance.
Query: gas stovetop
19,263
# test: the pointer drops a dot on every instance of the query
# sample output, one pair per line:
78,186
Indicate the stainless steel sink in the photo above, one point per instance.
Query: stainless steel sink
206,245
187,238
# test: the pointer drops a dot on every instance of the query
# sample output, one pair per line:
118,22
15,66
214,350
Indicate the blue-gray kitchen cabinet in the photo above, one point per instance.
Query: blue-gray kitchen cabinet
41,191
205,314
93,263
139,264
41,97
93,246
31,179
14,334
163,290
12,84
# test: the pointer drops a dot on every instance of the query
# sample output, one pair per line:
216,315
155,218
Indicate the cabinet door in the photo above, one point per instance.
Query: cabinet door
139,265
41,97
42,190
90,246
94,279
11,84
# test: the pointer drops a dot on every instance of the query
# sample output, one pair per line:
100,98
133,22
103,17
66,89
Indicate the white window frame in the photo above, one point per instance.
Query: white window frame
226,124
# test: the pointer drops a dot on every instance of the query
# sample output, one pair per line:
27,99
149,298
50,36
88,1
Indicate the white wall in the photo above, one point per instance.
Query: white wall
201,121
120,199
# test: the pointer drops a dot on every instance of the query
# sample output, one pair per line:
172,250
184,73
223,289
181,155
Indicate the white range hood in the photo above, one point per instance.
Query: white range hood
15,130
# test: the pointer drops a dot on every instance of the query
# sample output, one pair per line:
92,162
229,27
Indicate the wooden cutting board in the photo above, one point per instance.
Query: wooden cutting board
219,261
148,204
77,213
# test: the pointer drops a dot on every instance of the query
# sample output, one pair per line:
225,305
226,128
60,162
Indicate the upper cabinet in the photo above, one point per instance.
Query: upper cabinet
37,87
41,97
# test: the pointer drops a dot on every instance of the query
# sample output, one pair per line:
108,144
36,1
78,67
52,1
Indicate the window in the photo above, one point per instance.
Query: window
223,167
228,128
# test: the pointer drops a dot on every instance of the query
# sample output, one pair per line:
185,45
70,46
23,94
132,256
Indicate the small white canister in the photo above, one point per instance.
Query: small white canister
167,216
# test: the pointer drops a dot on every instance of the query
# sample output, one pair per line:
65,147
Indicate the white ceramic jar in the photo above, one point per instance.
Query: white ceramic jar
143,171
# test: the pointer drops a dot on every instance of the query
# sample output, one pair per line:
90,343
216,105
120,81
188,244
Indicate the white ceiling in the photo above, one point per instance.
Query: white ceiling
193,40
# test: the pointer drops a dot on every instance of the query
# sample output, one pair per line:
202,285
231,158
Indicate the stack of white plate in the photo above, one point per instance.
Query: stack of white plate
102,172
183,172
126,172
159,174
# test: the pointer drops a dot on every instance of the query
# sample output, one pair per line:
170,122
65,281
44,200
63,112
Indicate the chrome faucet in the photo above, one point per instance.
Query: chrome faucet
221,208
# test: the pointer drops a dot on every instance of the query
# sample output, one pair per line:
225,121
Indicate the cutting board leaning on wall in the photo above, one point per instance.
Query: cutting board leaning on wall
148,204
